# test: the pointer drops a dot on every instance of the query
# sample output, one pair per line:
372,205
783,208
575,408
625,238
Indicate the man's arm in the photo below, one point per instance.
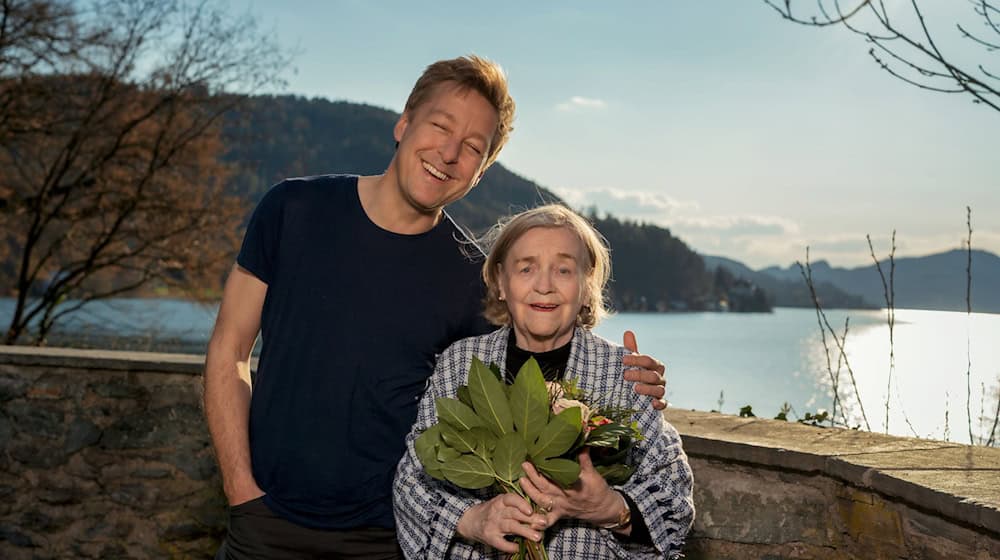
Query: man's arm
227,382
649,375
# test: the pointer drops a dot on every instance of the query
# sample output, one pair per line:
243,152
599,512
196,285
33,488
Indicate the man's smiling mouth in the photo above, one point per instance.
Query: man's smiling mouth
435,172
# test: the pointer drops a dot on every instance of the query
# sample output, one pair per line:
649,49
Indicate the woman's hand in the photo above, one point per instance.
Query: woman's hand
588,499
506,514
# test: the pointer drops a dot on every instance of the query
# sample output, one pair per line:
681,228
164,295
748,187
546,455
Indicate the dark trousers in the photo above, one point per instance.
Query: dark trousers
257,532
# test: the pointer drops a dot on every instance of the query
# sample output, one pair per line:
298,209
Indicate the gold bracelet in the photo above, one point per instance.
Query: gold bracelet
624,516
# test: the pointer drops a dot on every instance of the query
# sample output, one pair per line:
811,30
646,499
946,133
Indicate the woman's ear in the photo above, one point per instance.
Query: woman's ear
500,283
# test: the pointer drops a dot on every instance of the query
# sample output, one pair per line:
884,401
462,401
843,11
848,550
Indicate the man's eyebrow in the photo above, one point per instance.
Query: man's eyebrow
451,118
442,113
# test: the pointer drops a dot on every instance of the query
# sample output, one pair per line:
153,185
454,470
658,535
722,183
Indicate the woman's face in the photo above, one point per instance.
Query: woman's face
542,279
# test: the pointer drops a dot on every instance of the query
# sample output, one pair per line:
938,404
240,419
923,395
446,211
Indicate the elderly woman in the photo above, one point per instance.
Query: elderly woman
545,278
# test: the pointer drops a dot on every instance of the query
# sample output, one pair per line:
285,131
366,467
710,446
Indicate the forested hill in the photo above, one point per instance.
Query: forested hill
274,137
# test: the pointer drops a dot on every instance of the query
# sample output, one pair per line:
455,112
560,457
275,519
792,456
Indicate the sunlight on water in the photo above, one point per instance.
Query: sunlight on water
933,350
765,360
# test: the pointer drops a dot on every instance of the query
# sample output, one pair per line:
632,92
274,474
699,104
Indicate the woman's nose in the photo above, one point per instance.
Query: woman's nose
543,283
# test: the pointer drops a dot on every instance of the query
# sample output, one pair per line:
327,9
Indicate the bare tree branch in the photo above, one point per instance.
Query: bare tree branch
110,173
908,49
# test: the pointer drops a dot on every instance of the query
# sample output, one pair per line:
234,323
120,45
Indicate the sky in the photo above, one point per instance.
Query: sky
747,136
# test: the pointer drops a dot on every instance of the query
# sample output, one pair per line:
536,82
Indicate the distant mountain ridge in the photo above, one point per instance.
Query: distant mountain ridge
787,290
935,281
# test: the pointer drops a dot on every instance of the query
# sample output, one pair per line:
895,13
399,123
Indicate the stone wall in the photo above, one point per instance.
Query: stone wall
778,490
106,455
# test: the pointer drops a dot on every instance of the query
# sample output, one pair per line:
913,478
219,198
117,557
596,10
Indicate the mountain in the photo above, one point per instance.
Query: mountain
790,290
935,281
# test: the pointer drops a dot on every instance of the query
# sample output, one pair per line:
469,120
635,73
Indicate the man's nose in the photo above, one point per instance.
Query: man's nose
451,149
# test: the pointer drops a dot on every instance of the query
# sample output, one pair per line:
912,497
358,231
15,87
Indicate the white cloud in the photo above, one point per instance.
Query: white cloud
636,205
738,226
577,103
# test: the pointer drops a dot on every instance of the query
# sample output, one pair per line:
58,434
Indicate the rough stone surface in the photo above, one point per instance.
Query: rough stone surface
105,456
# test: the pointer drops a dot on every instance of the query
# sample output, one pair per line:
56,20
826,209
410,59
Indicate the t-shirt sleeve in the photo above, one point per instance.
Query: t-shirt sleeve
260,243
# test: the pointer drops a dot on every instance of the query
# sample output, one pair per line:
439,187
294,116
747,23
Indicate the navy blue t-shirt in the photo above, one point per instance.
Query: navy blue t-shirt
352,321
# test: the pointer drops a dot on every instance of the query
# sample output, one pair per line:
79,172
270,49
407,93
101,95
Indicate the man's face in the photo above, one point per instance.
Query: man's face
443,145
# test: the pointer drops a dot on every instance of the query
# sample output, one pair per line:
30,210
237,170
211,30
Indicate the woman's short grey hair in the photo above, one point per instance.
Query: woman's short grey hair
597,271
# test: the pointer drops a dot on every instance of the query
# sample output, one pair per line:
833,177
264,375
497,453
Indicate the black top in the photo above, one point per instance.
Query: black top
352,322
552,362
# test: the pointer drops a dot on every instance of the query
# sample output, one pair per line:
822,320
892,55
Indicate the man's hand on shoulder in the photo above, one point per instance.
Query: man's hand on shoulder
647,373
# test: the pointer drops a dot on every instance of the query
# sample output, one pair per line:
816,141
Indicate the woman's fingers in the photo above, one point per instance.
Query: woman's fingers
505,515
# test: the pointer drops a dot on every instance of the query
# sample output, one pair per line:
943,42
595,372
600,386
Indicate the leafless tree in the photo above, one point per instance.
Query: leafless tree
911,47
110,172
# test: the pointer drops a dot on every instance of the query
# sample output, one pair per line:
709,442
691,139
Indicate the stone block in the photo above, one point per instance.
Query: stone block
12,387
36,419
120,387
36,454
15,536
80,433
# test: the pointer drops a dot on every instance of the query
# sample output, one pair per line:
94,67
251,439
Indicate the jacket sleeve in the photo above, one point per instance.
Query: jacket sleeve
427,510
661,486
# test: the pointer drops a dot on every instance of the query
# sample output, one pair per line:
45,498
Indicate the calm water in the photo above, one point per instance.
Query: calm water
761,360
766,360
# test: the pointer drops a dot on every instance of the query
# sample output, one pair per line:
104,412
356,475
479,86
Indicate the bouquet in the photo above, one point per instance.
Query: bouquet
483,436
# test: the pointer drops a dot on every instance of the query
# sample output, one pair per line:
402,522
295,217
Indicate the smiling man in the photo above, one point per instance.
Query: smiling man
355,284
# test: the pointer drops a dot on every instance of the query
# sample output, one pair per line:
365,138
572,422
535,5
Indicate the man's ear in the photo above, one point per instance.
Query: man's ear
400,128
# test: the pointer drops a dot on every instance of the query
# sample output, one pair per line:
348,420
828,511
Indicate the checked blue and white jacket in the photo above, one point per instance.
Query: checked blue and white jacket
427,510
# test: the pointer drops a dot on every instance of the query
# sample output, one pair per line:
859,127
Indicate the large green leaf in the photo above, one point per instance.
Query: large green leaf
561,471
486,438
425,447
529,401
457,414
464,441
510,452
446,453
468,471
558,435
464,396
489,399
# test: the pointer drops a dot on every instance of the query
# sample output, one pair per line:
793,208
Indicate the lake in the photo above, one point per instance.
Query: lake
718,361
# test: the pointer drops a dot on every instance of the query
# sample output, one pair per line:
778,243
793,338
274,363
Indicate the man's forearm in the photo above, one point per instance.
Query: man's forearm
227,410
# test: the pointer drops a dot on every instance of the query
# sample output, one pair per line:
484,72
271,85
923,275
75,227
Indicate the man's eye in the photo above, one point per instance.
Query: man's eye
475,149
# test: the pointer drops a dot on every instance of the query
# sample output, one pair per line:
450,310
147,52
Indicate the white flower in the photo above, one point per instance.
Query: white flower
561,404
